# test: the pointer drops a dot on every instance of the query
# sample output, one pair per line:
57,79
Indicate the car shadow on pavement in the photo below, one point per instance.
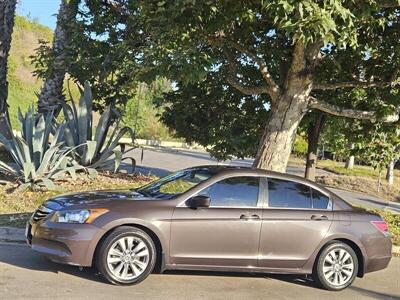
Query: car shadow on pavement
304,280
21,256
372,294
25,258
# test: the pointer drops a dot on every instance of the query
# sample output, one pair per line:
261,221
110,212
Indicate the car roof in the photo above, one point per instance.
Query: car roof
245,170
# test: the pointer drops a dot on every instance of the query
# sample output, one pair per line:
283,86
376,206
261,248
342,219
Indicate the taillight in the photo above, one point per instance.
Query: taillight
381,226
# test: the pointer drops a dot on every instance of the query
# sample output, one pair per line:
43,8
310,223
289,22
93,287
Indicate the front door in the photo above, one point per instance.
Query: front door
226,233
294,222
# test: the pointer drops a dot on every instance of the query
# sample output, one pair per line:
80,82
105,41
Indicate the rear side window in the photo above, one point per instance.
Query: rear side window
320,201
234,191
288,194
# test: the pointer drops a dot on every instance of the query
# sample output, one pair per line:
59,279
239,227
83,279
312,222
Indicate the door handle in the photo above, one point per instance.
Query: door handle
319,218
249,217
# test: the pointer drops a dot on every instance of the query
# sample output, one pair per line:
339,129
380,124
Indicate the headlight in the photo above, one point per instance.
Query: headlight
78,216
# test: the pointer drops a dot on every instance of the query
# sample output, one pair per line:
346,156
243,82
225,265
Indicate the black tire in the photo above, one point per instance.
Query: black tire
318,274
114,236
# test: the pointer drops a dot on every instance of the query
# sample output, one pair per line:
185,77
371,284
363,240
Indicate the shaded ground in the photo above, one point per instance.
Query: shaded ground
27,275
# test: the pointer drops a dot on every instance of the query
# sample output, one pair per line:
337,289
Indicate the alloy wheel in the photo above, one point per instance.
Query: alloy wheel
338,267
128,258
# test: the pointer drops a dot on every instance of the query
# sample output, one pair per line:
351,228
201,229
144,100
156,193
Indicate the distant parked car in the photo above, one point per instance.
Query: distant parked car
217,218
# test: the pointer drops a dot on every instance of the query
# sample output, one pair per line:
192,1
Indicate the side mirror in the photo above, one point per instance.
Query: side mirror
198,201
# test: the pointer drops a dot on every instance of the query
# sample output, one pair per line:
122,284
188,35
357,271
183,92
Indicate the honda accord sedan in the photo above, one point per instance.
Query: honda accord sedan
214,218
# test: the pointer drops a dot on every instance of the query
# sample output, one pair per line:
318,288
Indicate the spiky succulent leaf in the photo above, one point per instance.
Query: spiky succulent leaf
102,128
91,151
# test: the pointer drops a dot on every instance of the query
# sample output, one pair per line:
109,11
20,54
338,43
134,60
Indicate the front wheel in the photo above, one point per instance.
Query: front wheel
126,256
336,267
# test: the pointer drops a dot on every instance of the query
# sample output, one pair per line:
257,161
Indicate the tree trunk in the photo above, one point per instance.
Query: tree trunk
350,159
279,134
379,180
390,172
51,95
7,13
314,131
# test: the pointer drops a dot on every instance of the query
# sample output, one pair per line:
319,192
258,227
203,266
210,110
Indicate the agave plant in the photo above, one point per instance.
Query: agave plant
38,155
97,146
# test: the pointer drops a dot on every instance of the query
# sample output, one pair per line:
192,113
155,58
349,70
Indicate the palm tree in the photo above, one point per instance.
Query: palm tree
51,94
7,13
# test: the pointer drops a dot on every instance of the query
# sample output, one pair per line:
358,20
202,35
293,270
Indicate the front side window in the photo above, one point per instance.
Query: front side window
176,183
288,194
234,192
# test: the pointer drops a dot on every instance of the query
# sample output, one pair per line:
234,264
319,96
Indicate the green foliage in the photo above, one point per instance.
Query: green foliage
111,51
23,86
359,42
37,158
337,134
300,146
140,113
378,144
93,149
217,117
309,21
32,25
393,221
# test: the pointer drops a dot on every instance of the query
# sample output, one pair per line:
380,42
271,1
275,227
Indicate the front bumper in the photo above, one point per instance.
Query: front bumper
72,244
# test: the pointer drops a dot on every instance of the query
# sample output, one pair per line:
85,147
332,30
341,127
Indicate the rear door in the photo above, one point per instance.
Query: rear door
295,219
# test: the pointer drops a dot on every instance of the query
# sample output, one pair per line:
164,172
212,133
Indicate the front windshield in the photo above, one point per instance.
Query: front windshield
175,183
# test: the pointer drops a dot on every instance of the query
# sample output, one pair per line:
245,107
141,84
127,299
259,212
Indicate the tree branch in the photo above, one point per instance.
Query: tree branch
247,90
233,81
351,113
275,90
352,84
389,4
271,88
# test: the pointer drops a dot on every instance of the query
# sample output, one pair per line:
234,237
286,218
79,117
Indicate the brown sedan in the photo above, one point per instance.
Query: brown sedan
214,218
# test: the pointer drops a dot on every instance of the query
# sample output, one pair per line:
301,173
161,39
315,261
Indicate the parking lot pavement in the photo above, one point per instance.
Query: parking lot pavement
25,274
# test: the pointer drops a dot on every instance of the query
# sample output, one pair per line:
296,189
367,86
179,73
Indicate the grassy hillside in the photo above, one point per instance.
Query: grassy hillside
23,86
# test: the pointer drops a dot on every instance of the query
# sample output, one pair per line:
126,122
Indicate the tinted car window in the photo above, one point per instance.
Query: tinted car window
235,191
176,183
283,193
320,201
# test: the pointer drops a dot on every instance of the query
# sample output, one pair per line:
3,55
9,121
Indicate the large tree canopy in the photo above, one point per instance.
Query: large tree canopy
246,72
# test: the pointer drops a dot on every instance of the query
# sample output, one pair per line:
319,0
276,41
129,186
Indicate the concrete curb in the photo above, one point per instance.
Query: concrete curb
12,234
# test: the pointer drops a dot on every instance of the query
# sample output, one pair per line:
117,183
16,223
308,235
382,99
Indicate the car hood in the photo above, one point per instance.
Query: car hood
91,197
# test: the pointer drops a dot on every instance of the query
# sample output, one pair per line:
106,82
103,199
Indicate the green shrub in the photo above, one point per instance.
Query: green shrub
300,146
393,221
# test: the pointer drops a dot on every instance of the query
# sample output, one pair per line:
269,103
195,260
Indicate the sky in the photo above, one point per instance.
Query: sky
41,10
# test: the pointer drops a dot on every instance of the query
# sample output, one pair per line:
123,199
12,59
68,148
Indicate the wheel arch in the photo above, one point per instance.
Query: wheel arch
160,257
354,245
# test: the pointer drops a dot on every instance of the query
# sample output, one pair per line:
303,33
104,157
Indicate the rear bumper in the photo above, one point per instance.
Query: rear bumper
72,244
377,264
379,254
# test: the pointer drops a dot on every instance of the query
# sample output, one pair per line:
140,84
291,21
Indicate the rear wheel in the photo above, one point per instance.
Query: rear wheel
336,267
126,256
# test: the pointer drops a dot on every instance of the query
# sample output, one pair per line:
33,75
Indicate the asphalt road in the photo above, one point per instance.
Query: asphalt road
25,274
161,161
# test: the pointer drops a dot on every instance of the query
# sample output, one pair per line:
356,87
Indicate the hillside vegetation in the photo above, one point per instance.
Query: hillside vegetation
23,86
